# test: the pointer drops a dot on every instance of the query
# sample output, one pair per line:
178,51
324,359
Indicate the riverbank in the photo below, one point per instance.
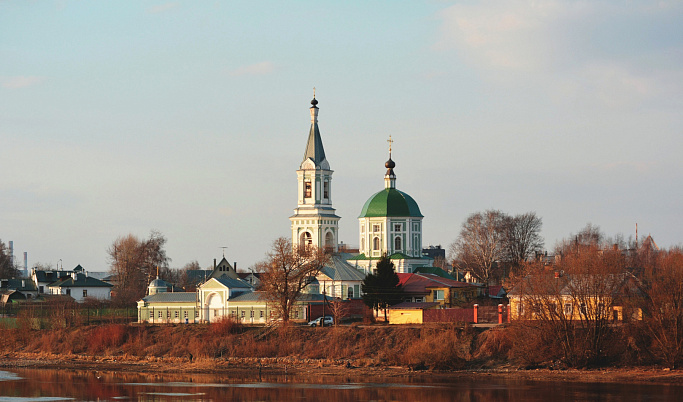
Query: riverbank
226,348
322,369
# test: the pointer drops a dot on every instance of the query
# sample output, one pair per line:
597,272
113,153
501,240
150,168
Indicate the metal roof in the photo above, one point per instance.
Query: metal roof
179,297
81,281
340,270
391,203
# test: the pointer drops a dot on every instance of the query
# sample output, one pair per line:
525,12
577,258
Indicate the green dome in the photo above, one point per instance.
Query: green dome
390,202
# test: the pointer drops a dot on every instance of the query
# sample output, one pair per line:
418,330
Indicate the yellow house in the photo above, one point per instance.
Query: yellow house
574,297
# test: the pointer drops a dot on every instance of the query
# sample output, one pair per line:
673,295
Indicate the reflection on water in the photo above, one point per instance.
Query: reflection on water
53,385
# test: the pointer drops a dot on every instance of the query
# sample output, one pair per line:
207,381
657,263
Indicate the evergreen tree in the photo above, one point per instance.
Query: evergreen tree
382,289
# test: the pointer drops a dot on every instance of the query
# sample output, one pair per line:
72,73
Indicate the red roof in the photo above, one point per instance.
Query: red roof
495,290
418,283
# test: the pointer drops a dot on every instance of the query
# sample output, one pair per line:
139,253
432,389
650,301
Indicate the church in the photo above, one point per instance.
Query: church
390,222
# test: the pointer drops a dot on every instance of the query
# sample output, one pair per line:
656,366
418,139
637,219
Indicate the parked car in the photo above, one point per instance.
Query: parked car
328,321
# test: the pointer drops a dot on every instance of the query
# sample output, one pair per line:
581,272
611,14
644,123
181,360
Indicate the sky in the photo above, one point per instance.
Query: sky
191,118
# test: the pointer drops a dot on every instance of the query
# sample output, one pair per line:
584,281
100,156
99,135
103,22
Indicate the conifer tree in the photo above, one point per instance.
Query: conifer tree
382,289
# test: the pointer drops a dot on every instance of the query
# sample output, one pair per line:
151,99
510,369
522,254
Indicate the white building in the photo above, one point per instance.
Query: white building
80,286
390,223
314,221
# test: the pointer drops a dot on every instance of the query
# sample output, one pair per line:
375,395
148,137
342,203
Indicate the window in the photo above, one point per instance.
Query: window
418,300
583,309
168,314
375,243
185,314
350,292
326,189
376,228
176,314
398,227
397,243
296,314
261,314
568,309
68,292
42,289
196,313
307,189
243,313
437,294
305,240
251,314
160,314
85,292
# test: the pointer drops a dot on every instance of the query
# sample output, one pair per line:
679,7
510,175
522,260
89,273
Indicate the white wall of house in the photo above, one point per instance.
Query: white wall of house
80,293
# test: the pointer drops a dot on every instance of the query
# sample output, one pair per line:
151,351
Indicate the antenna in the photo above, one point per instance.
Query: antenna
223,250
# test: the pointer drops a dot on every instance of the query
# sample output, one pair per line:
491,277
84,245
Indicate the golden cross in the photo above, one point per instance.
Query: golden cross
313,92
390,141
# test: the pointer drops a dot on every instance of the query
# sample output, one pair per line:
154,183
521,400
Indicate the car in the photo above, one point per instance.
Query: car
326,321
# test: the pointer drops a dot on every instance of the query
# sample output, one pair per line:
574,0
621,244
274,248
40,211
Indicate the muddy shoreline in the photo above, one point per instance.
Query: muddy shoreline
330,369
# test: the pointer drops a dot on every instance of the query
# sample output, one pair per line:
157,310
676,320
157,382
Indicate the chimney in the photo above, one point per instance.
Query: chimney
25,263
234,265
214,264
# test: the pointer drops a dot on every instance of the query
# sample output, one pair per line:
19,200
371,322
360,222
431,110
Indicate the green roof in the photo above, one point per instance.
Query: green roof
434,270
390,202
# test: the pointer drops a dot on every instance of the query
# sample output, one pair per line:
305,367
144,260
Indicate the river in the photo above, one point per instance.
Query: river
67,385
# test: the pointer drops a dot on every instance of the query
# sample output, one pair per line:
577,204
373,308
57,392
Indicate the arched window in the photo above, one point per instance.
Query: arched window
375,243
305,240
307,189
397,243
329,241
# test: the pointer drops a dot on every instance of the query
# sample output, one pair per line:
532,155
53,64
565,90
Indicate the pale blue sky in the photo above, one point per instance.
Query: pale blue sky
191,118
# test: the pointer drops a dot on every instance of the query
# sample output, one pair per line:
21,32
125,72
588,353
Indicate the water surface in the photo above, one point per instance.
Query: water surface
69,385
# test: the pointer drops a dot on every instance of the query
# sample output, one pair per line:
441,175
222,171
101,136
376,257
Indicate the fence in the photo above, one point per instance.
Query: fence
67,314
477,314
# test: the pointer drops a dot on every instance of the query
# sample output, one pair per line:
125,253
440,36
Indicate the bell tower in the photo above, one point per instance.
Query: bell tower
314,221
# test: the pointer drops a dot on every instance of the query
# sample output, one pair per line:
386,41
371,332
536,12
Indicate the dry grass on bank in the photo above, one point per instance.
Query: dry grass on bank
436,346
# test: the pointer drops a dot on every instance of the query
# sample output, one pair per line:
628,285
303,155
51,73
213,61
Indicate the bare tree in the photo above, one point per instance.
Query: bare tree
7,268
572,305
589,237
286,272
134,263
339,309
664,322
522,237
481,244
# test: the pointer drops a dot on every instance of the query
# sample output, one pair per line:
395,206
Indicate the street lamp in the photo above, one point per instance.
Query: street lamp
322,322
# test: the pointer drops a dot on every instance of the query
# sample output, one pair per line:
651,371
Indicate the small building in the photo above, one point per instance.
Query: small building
409,312
420,288
340,279
18,289
80,286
